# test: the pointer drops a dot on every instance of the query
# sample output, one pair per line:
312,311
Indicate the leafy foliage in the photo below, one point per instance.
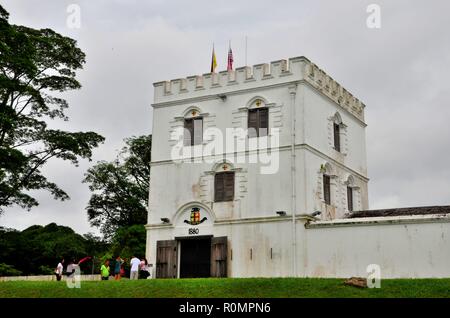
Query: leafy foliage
8,270
120,188
38,249
34,64
129,241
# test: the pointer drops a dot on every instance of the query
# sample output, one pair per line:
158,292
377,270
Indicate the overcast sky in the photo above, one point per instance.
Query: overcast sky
400,71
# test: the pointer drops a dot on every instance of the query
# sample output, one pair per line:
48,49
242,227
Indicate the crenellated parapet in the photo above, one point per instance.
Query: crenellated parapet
257,76
327,85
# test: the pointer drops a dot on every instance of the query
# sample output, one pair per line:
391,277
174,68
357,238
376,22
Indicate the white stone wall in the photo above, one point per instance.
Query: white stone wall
258,247
318,127
38,278
403,247
313,186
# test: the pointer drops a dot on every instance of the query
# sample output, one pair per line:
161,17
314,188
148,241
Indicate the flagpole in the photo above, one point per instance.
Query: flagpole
245,50
229,48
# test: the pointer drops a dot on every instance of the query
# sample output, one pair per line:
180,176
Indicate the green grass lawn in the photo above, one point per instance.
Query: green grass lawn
228,287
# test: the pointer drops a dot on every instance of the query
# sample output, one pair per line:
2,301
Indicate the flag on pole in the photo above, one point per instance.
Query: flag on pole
213,61
230,59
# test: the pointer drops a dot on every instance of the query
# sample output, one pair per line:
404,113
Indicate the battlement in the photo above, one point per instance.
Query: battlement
259,75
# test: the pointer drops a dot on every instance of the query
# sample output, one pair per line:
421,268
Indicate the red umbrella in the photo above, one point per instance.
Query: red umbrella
84,259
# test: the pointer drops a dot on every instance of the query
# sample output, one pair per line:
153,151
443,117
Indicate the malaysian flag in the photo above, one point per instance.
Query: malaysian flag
230,60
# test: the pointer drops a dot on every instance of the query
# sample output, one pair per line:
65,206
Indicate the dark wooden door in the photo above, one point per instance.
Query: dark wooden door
166,259
195,258
219,250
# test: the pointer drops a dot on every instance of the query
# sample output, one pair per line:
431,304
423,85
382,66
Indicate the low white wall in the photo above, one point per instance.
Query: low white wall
403,247
46,278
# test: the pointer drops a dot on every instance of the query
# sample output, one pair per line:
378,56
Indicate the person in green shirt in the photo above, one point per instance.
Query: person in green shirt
105,270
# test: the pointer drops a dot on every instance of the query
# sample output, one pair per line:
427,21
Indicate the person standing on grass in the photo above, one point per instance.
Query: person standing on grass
135,262
70,270
105,270
117,267
59,270
144,269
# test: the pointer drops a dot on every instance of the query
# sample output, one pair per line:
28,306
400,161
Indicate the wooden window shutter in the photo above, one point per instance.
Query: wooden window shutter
166,259
263,121
219,189
228,186
224,186
350,198
337,137
198,131
188,132
252,123
219,250
326,189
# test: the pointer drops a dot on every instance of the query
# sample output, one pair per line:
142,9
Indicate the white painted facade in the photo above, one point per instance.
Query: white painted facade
303,103
403,246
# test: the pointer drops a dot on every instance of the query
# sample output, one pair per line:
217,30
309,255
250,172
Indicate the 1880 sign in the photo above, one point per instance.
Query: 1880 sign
193,231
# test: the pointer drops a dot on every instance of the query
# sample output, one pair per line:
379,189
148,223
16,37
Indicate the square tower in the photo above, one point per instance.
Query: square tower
239,157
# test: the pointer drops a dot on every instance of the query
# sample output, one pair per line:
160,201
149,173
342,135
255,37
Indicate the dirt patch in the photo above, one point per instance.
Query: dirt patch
356,282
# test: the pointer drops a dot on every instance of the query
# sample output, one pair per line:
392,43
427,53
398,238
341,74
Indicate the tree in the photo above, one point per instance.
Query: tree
120,188
8,270
37,249
129,241
34,64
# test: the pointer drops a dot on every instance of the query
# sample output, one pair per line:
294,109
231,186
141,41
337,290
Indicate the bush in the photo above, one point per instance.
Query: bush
8,270
46,270
129,241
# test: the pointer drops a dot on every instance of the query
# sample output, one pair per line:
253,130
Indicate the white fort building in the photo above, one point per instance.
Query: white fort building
259,171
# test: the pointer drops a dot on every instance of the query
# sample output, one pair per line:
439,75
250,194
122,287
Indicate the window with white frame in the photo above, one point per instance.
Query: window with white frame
338,133
352,194
258,119
193,131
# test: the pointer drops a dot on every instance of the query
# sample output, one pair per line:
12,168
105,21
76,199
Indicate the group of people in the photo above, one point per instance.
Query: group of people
139,268
70,269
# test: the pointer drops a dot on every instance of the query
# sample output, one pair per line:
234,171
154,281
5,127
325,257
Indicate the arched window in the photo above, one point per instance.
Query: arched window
327,174
350,198
350,194
337,125
337,137
326,189
258,119
193,128
224,186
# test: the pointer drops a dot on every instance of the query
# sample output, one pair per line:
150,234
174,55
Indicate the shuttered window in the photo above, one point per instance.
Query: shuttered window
350,198
258,122
193,131
224,186
326,189
337,137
